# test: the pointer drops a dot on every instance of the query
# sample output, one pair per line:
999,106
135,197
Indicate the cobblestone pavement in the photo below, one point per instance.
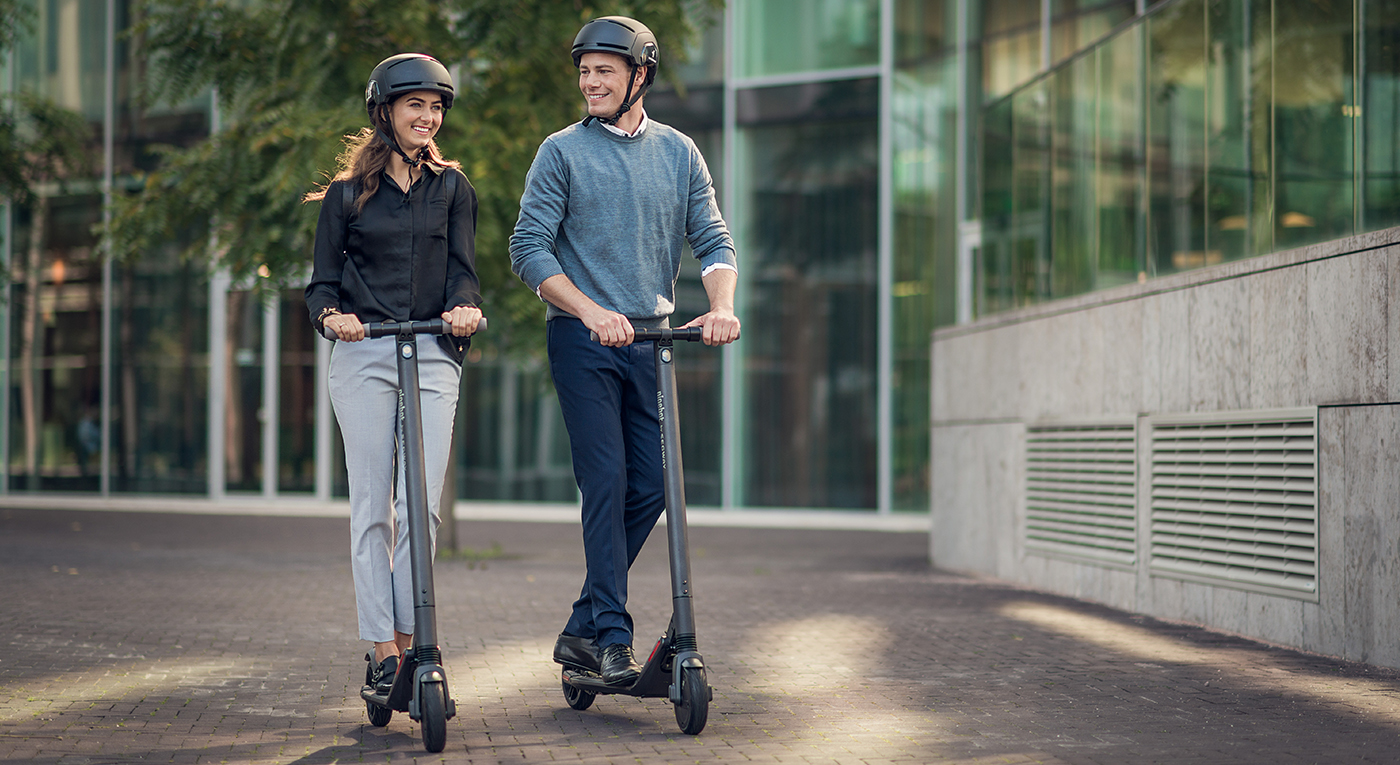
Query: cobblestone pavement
131,637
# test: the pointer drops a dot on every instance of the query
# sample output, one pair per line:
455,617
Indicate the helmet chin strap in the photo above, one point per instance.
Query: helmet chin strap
395,144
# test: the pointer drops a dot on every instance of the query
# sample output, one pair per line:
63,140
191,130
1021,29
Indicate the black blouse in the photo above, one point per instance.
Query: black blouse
408,256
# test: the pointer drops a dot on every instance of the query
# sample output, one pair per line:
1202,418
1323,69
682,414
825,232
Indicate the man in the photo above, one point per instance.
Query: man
608,205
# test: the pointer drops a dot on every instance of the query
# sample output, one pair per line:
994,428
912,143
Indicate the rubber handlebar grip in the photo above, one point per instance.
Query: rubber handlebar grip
381,329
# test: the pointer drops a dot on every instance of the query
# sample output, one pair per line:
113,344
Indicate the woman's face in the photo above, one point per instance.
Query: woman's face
416,119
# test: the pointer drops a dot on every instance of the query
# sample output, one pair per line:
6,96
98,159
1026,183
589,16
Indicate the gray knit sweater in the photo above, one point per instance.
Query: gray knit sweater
612,214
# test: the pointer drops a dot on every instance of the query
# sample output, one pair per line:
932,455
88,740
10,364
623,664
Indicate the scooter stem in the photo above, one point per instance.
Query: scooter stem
415,494
683,614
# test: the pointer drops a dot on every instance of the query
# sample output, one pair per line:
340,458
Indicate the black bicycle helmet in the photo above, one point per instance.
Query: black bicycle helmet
401,74
624,37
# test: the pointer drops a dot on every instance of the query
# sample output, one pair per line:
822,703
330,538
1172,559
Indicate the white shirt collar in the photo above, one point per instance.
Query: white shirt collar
641,126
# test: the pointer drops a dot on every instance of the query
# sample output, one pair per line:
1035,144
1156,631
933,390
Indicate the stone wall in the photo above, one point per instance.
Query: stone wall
1314,327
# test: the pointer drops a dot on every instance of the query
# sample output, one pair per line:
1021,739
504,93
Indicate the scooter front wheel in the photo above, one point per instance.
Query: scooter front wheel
694,707
578,698
432,702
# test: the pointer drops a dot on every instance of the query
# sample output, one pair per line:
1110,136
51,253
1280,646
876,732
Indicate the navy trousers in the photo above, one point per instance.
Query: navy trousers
608,397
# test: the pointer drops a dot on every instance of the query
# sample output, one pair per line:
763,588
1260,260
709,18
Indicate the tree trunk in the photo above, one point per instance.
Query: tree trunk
29,341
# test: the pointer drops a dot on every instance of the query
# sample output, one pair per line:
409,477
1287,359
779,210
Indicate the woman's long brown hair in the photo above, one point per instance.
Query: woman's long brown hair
365,158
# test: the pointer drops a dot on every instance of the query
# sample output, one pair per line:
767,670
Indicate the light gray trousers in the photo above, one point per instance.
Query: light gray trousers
364,385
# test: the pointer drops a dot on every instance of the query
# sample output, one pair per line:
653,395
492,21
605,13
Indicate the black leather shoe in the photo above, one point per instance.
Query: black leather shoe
576,652
618,667
384,675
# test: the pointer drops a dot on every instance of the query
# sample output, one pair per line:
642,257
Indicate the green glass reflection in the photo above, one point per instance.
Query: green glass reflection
1313,84
1073,207
160,375
55,346
1379,119
296,399
807,214
1119,163
243,392
1209,131
1011,45
1176,102
1077,24
782,37
510,438
924,117
993,286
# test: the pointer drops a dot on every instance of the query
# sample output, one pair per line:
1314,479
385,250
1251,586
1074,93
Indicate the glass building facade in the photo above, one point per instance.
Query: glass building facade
164,377
886,166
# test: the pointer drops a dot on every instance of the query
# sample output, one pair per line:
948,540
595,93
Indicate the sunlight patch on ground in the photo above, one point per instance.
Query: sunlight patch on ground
828,670
1371,697
152,683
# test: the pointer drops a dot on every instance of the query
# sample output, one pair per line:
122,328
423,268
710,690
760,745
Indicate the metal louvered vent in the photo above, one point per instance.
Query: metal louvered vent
1234,500
1080,491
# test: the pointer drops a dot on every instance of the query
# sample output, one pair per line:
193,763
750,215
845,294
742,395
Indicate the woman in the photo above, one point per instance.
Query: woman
394,242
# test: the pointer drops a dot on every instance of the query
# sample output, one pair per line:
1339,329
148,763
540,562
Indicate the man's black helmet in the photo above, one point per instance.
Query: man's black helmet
620,35
405,73
624,37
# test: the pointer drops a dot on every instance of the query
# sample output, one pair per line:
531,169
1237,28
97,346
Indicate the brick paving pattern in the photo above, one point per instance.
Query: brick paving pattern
133,637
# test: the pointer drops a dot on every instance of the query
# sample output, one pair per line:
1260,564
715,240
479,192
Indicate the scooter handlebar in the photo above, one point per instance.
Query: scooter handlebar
386,328
639,335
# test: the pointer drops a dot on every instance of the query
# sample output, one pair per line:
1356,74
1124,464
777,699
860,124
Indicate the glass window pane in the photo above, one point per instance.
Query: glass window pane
1380,113
296,419
55,321
1238,165
1120,171
1011,45
243,399
1029,245
1176,129
993,284
1073,206
786,36
1312,85
807,230
511,440
160,380
1078,24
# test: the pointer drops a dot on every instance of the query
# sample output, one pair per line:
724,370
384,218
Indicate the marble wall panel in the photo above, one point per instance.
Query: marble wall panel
1171,388
1392,335
1219,354
1370,567
975,495
1347,329
1275,619
1330,630
1122,355
1278,359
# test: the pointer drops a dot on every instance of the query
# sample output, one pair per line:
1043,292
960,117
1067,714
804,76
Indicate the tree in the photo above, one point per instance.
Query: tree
290,77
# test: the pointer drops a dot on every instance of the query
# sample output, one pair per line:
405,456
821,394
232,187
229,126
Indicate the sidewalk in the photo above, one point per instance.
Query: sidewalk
159,637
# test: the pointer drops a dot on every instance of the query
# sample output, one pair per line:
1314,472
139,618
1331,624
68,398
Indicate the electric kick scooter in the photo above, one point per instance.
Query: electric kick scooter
675,669
420,687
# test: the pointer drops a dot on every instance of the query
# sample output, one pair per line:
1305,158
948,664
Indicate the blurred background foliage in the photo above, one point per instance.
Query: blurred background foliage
289,77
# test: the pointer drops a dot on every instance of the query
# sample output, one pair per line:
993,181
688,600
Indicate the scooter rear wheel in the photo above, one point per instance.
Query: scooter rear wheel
578,698
378,716
694,707
432,702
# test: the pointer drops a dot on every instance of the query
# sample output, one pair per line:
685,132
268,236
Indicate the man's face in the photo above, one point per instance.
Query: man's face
602,78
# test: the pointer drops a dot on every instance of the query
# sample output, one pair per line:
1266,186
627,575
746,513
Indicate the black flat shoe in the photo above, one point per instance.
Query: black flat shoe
618,667
384,675
576,652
